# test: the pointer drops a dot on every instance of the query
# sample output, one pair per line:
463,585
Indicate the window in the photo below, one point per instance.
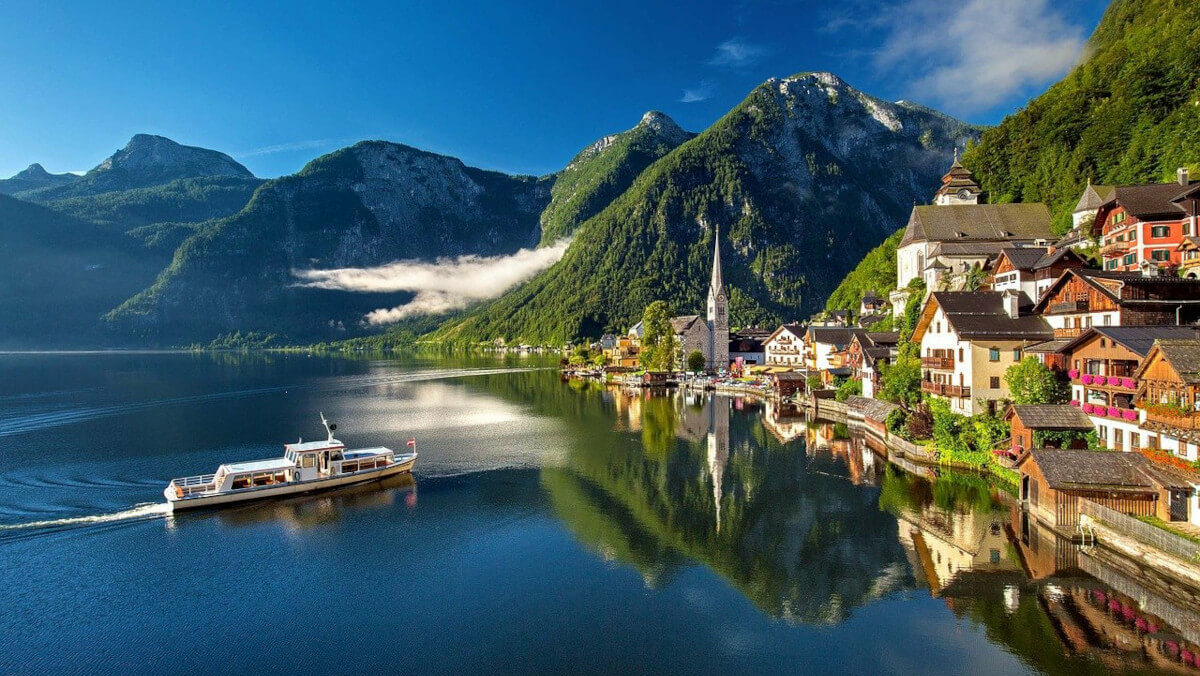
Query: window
1160,255
994,383
1118,217
1103,343
1118,438
1016,354
308,460
1135,439
1160,231
994,354
1128,260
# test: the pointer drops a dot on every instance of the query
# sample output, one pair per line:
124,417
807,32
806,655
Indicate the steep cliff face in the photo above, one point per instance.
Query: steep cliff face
33,177
801,179
370,204
604,170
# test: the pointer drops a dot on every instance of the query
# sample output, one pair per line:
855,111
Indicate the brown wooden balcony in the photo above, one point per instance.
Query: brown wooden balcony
963,391
933,388
1067,333
1115,248
1176,419
938,363
1068,307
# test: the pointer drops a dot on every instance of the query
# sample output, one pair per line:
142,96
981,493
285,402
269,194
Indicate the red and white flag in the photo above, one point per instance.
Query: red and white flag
413,442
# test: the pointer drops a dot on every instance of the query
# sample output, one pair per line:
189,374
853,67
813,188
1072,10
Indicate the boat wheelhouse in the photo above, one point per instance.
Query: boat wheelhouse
304,467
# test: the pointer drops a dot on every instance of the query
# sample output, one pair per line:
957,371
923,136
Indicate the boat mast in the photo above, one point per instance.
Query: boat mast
328,428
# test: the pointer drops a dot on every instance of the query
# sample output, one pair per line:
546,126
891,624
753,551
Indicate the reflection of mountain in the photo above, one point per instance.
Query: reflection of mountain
792,533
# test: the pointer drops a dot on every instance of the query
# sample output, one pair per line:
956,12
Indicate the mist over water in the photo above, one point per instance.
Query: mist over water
548,527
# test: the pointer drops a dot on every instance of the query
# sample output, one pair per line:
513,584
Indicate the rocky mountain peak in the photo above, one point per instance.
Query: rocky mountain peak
34,170
664,127
162,157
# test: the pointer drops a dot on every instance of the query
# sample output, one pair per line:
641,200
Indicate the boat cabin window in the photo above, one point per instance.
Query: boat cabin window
308,460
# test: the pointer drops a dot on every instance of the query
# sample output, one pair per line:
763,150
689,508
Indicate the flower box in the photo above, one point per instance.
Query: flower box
1129,383
1074,374
1087,408
1114,380
1114,412
1075,403
1086,379
1129,414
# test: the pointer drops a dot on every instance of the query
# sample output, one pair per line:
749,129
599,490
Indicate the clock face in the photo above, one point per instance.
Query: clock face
964,194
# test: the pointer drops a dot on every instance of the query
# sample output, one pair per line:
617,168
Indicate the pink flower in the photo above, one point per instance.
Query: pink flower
1073,373
1114,381
1086,379
1129,383
1129,414
1087,408
1114,412
1075,403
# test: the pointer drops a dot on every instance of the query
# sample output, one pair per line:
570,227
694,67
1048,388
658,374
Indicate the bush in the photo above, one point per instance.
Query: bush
696,361
848,389
919,424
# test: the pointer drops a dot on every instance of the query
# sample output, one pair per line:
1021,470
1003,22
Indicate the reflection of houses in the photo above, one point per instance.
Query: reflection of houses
1053,481
949,543
786,422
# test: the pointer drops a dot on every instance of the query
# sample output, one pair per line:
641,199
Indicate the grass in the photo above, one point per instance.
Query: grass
1164,525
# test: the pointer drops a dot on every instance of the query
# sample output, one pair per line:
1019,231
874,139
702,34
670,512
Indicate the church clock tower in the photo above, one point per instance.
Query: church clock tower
718,314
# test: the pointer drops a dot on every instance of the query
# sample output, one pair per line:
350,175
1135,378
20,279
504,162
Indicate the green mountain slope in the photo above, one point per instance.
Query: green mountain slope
185,200
367,205
605,169
61,274
1128,113
801,178
875,272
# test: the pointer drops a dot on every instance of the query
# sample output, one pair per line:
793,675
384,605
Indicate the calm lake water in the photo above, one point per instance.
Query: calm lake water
549,527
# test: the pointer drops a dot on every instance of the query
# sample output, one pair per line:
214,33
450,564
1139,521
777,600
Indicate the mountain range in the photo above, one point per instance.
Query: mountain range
800,179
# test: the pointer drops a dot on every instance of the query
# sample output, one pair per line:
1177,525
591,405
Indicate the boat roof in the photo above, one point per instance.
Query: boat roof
378,450
315,445
259,465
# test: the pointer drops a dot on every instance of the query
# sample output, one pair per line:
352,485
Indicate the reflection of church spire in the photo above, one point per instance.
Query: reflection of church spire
718,449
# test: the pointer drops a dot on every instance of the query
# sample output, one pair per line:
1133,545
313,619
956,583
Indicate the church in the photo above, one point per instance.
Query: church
710,334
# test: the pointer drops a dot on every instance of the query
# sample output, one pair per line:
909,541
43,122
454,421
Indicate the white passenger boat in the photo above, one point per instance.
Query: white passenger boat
304,467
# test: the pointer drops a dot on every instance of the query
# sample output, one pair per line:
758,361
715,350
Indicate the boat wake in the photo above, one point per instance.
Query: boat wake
142,512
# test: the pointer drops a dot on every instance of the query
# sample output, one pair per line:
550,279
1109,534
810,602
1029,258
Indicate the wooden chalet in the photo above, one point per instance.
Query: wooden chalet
1081,299
1169,394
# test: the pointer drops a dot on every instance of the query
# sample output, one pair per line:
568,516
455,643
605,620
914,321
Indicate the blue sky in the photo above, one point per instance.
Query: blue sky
516,87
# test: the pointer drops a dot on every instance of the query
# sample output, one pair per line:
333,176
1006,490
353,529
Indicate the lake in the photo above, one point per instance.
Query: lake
548,527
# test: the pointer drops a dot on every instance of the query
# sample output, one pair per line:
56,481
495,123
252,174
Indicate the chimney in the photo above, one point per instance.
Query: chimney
1182,174
1011,299
1149,269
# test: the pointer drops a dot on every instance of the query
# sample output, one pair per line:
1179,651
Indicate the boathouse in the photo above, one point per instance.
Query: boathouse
1054,480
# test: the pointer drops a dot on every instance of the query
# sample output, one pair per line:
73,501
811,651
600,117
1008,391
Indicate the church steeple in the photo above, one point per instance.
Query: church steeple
718,313
958,186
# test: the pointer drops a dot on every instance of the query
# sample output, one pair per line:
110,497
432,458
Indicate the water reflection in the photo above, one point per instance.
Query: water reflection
789,529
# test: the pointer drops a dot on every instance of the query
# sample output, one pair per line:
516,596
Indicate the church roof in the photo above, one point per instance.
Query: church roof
966,222
718,281
683,323
1093,197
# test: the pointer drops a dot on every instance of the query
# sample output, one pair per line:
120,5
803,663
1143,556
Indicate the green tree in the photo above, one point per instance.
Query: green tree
658,337
599,359
901,380
1032,382
696,361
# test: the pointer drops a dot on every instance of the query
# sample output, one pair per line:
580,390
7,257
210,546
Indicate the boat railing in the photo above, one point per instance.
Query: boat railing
194,484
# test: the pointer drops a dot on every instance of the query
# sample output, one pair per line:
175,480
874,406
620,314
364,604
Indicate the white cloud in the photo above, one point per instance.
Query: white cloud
288,147
975,55
444,285
736,53
703,92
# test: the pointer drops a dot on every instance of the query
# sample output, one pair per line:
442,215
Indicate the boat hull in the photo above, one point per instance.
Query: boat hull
175,504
